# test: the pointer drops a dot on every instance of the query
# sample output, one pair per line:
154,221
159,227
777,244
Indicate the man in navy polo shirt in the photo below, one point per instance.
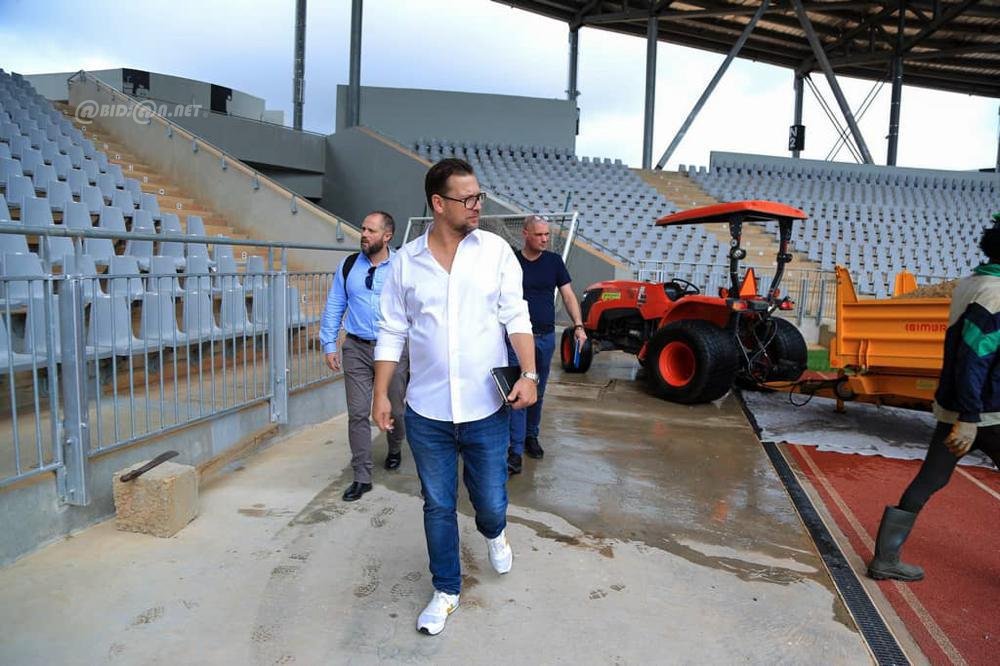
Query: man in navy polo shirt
544,272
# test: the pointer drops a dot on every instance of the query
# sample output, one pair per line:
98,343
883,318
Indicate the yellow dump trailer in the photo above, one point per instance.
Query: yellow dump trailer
888,350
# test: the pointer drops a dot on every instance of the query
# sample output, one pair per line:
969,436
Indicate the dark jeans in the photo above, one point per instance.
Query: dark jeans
936,471
525,422
436,447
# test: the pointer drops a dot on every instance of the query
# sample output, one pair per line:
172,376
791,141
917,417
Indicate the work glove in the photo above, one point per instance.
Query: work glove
961,437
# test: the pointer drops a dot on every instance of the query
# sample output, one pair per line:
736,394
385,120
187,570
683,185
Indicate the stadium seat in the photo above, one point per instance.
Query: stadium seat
159,320
110,330
142,250
169,224
125,280
199,320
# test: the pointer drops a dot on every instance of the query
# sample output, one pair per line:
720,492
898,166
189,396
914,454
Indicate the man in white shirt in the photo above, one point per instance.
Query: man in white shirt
451,294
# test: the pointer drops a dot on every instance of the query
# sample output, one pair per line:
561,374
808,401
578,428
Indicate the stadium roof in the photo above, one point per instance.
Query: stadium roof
949,45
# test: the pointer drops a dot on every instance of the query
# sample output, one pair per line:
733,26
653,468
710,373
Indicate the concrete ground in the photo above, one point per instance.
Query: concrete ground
649,533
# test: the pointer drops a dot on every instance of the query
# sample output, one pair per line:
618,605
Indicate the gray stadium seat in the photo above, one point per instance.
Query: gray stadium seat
159,320
142,250
28,268
125,280
110,329
198,318
169,224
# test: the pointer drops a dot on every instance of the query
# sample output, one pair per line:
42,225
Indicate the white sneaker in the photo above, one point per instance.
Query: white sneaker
501,556
432,619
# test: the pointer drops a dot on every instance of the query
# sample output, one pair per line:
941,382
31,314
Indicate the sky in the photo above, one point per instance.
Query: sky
484,46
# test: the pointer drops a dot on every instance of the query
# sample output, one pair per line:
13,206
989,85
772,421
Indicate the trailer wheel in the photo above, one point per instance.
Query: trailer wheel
691,361
567,353
787,351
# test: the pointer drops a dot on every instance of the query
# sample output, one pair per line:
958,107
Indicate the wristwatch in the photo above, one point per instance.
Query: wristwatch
532,376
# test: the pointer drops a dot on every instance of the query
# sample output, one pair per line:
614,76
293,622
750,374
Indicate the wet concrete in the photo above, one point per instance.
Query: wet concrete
649,533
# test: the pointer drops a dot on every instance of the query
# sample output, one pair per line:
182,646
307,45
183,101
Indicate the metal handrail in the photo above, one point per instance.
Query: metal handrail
66,232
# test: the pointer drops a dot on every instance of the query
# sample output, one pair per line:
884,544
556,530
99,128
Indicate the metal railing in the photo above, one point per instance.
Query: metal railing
814,292
91,362
562,227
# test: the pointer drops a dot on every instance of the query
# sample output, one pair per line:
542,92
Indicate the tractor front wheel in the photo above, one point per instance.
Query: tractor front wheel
691,361
573,360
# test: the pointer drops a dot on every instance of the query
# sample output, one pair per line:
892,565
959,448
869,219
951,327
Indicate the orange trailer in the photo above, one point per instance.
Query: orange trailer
887,351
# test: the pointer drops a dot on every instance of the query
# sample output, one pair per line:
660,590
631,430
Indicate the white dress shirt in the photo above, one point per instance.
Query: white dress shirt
454,324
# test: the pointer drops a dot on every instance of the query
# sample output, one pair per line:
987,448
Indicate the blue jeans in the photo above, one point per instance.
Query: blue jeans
525,422
436,446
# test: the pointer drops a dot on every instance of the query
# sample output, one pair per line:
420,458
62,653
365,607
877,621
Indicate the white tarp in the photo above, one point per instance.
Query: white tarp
864,429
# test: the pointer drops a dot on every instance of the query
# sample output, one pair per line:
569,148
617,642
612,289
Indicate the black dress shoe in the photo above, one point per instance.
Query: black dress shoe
355,491
513,463
533,448
392,460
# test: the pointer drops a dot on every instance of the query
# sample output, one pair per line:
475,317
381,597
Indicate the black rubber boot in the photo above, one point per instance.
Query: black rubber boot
892,534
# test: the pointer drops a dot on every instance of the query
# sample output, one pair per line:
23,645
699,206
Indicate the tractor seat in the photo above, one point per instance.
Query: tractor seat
673,290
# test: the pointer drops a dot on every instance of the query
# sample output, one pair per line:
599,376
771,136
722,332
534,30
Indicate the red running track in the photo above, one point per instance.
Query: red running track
954,613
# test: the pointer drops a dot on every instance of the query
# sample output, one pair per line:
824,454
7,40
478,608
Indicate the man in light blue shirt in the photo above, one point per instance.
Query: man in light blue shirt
356,290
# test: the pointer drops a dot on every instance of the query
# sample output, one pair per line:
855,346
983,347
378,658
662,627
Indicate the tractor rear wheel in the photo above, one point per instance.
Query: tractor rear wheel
691,361
571,362
787,352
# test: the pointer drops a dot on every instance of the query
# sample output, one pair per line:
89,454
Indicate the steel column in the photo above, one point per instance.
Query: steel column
838,94
652,30
897,86
574,47
711,85
354,80
71,480
298,76
797,120
894,108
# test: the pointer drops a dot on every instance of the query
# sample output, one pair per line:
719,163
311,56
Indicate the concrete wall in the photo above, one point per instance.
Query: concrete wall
163,87
265,213
178,91
407,115
261,143
309,185
31,515
54,87
365,171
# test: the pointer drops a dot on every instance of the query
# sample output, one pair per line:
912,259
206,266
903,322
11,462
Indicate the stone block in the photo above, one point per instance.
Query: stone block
160,502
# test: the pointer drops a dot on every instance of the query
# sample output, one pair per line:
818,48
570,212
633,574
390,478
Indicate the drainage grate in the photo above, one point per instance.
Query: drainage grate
880,640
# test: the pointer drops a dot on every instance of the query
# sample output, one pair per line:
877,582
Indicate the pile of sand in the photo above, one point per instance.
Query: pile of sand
939,290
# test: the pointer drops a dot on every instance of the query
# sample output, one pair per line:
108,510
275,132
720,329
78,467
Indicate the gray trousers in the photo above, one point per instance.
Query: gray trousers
359,377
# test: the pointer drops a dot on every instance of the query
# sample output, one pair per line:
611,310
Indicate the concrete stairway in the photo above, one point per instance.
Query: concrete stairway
172,197
760,244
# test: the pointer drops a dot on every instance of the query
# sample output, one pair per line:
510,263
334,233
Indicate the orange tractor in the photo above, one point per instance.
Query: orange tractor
694,346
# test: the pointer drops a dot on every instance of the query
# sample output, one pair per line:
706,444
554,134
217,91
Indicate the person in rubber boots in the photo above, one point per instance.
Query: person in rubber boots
966,405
